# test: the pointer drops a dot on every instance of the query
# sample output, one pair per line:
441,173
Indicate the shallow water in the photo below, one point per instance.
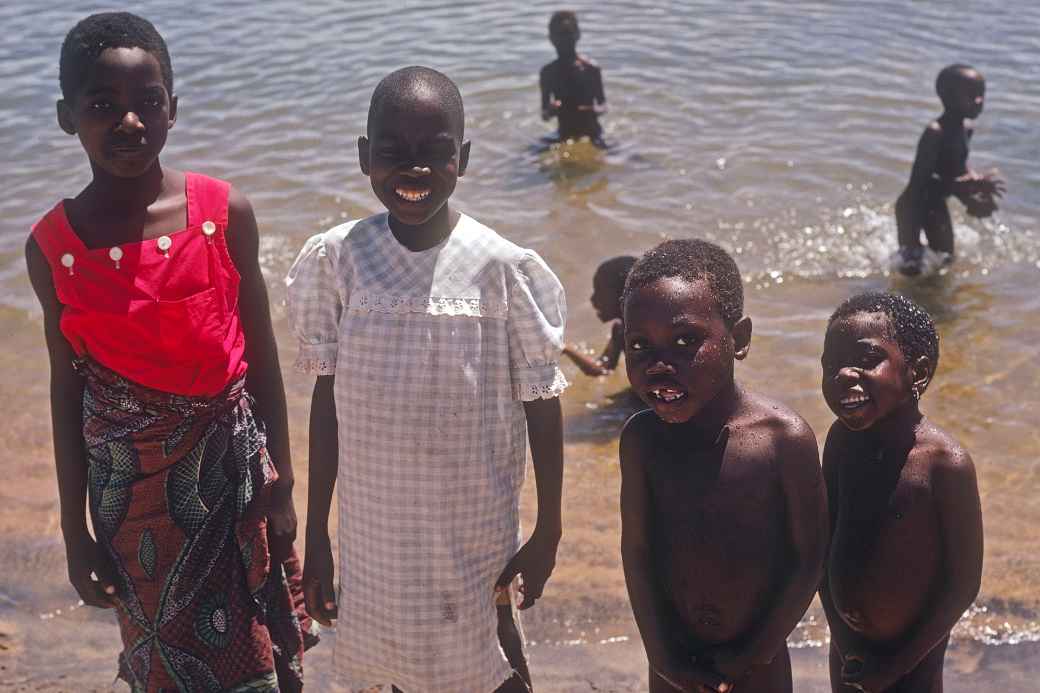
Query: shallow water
783,131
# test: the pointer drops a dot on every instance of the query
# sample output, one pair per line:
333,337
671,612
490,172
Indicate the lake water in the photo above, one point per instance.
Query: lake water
781,130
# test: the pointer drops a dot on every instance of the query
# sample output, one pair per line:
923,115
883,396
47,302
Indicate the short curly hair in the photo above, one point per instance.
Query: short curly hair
401,85
563,19
693,259
98,32
912,327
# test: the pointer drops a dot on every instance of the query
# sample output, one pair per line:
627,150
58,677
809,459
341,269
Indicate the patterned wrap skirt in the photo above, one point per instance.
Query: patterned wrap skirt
177,489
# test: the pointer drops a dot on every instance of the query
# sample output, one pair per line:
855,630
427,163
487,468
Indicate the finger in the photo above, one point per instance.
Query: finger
312,602
92,593
711,680
104,577
328,594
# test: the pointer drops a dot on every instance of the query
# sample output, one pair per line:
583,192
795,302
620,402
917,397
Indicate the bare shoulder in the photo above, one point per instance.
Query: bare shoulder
941,454
239,207
588,63
934,129
635,436
776,423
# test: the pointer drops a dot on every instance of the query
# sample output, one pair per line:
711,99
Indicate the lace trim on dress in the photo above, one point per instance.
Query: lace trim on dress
428,305
528,392
316,359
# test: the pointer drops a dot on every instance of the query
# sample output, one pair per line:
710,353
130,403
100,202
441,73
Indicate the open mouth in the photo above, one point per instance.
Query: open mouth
412,194
667,395
854,402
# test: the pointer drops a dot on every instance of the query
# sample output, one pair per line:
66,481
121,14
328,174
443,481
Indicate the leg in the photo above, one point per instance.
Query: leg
515,684
908,226
835,666
927,676
512,645
938,228
774,677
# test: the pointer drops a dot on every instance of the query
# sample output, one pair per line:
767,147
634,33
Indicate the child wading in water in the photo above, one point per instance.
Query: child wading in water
435,342
153,304
607,285
723,510
941,169
571,85
906,551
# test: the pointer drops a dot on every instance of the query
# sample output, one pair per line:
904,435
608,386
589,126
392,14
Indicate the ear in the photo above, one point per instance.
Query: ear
741,338
362,152
463,158
173,110
920,374
65,120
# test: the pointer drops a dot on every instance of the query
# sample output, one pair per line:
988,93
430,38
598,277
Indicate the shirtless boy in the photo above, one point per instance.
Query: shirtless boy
724,514
572,88
906,554
941,169
607,285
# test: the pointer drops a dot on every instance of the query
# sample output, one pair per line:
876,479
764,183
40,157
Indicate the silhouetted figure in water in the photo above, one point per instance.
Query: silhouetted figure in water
572,87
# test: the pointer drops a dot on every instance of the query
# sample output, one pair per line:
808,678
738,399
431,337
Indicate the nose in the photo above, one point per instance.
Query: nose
660,368
130,122
418,171
846,375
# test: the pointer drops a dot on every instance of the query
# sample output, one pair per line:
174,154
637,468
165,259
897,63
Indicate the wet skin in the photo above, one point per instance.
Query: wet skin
606,301
940,170
723,505
906,550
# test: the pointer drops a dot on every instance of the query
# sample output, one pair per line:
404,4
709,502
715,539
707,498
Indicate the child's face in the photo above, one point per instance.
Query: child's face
413,158
122,113
969,95
679,352
865,376
605,299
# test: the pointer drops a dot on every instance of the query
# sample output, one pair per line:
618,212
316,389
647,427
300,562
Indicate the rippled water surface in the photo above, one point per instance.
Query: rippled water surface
782,130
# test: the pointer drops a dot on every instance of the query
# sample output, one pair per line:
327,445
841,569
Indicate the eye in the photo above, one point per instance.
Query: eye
101,105
686,340
636,345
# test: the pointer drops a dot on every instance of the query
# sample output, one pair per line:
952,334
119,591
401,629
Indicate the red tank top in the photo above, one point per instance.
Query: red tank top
162,312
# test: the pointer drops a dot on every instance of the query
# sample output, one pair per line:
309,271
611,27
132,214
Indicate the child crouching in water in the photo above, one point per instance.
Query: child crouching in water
435,343
906,551
153,304
607,285
723,510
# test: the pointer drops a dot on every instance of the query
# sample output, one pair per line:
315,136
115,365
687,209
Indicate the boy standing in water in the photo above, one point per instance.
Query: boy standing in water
940,170
906,556
607,285
572,88
724,515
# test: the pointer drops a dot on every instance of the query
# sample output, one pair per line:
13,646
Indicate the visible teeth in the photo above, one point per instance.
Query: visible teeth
854,401
667,395
412,195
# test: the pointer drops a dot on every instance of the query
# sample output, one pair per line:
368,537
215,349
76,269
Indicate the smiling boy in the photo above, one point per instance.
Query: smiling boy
906,555
724,518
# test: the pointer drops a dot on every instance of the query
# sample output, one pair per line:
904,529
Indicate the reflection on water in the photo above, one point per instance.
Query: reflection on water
783,131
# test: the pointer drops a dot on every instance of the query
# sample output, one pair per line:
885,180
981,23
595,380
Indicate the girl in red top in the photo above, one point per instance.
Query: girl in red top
153,306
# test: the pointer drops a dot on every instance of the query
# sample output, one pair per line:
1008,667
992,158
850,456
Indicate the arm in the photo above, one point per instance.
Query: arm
537,558
599,99
842,636
607,361
805,500
318,566
83,555
960,520
648,604
264,378
550,105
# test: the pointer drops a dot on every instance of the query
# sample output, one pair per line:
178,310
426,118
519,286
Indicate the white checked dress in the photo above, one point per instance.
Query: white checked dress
434,353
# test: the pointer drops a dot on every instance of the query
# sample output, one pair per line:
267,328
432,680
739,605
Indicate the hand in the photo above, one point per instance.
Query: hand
90,570
552,109
869,673
319,597
690,678
980,206
992,184
534,562
729,662
281,522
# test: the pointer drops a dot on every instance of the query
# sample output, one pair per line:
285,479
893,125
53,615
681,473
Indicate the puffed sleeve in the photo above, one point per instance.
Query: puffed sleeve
535,322
315,306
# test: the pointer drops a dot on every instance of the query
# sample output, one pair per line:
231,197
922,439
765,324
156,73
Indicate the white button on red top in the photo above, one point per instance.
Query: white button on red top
68,260
209,228
116,254
164,244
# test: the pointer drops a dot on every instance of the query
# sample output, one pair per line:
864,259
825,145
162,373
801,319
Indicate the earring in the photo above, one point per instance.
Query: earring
916,394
